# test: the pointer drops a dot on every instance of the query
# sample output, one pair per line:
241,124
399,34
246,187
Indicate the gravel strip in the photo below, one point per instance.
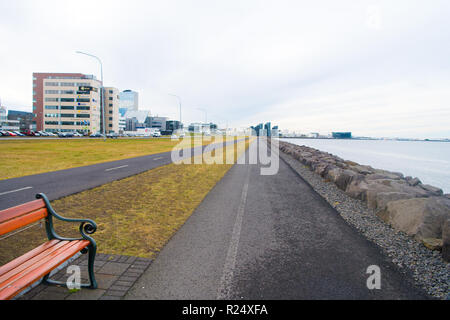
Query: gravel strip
427,267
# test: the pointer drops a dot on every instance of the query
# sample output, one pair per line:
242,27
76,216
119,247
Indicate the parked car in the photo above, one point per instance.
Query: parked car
65,134
77,134
18,133
12,134
156,134
43,133
112,135
96,135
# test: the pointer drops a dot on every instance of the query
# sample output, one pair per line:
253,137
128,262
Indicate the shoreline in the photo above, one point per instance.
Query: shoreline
427,267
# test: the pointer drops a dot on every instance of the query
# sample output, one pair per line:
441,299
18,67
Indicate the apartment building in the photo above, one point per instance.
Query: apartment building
66,102
112,105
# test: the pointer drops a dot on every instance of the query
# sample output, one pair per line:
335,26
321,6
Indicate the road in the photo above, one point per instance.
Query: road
268,237
62,183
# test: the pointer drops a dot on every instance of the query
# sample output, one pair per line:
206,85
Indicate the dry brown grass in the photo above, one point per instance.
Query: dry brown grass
26,157
135,216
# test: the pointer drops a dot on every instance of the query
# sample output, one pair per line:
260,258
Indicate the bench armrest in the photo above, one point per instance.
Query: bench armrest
87,226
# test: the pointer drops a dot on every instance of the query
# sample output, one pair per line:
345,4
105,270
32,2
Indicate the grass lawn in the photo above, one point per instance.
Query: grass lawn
20,158
135,216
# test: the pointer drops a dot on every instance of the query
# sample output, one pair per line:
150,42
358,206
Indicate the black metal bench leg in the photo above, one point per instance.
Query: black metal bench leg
91,261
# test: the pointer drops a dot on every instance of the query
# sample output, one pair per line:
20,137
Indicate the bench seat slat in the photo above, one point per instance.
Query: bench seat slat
27,256
20,210
20,281
29,263
23,220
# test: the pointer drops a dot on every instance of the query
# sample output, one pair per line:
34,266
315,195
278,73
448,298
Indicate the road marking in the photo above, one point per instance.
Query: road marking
158,158
230,261
7,192
116,168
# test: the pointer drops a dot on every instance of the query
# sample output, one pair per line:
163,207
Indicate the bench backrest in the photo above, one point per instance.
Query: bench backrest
22,215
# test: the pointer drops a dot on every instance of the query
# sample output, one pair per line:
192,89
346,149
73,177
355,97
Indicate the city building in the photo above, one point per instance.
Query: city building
66,102
122,123
265,130
342,135
173,125
5,124
137,120
25,119
129,101
158,123
112,102
202,127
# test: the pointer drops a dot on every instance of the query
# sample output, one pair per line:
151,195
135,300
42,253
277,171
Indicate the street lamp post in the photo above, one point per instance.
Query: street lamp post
206,116
102,105
179,101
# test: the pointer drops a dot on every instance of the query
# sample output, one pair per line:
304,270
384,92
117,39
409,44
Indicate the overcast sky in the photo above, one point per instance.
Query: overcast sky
376,68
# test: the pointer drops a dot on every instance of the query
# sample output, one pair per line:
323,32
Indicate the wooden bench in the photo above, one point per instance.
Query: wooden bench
20,273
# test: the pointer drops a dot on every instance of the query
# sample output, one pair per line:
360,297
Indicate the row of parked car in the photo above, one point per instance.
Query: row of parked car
31,133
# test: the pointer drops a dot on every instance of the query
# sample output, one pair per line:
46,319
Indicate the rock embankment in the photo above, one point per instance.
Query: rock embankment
419,210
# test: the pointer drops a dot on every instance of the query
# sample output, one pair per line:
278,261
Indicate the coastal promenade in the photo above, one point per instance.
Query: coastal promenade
268,237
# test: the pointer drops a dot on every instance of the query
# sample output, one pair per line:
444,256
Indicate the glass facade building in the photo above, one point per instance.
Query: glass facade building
129,101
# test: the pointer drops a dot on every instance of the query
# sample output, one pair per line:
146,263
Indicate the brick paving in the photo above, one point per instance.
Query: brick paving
115,275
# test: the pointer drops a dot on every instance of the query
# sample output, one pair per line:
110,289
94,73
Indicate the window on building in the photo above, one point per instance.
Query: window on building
83,116
67,92
67,123
67,108
52,115
51,107
67,100
83,100
67,115
52,84
53,123
51,91
67,84
111,92
50,100
83,108
110,125
111,98
110,118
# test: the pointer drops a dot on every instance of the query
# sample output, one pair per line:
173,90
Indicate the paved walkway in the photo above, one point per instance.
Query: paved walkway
268,237
253,237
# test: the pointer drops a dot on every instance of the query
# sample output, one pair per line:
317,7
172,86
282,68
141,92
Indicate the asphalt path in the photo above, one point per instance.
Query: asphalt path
268,237
62,183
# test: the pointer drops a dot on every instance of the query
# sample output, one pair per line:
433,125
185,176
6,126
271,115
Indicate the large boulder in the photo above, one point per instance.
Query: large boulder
357,188
446,241
419,217
383,198
345,177
413,181
432,190
366,170
334,174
